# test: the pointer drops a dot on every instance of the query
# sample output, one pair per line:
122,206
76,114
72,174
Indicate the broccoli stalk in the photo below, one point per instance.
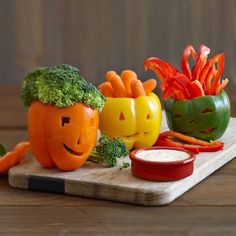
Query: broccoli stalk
61,86
108,151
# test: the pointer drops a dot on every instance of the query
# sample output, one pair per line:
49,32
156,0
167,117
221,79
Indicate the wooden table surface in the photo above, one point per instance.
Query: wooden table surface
207,209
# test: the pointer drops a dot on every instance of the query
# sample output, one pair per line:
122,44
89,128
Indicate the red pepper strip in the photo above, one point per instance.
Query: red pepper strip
198,89
156,68
175,92
14,157
212,148
181,88
193,144
205,71
163,70
220,61
200,62
184,138
220,87
165,66
183,81
189,50
170,143
208,80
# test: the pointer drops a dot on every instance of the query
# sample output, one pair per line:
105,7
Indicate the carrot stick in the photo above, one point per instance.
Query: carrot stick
14,157
221,86
137,88
186,138
127,77
149,85
22,148
117,85
106,89
8,160
109,74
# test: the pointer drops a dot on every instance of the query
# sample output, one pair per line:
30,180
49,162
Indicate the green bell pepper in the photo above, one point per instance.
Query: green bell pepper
205,117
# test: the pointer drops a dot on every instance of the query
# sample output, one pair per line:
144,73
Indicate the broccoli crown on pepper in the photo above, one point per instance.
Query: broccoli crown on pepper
61,86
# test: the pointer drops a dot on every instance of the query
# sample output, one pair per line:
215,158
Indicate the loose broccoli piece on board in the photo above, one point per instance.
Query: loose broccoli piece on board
61,86
108,151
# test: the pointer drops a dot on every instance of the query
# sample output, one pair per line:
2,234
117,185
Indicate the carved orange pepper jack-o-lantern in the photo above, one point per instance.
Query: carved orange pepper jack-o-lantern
63,116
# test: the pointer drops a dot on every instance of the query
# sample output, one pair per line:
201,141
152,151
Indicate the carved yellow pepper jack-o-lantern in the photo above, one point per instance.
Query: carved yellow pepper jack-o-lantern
131,112
136,120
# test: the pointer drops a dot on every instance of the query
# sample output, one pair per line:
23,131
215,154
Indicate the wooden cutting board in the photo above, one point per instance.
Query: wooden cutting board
95,181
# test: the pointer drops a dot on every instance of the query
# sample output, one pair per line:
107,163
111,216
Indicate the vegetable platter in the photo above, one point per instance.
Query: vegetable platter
116,184
72,123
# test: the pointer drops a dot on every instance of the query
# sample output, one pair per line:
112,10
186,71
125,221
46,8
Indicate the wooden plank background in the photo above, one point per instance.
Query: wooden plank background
100,35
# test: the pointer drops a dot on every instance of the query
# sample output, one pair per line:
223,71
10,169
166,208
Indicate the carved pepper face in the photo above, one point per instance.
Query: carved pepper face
136,121
62,137
205,117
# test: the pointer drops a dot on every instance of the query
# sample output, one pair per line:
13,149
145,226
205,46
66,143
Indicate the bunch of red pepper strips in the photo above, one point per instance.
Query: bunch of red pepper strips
202,79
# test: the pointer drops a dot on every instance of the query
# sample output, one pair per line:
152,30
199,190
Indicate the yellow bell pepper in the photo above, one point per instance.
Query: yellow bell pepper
137,121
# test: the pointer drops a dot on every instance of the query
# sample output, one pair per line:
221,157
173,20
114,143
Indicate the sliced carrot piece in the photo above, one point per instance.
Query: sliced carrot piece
127,76
117,85
106,89
137,88
149,85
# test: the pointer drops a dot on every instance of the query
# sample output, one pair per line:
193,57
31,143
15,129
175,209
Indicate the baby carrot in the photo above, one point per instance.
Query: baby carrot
117,85
149,85
106,89
127,77
8,160
137,88
14,157
109,74
22,148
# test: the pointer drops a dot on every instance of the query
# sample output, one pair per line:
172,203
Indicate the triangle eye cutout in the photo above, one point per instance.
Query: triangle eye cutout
148,117
122,116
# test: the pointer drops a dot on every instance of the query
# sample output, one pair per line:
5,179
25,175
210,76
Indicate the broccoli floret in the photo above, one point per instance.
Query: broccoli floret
30,87
62,86
125,165
108,151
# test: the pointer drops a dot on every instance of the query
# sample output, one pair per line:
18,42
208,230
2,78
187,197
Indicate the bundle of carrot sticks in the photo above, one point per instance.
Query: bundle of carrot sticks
126,85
